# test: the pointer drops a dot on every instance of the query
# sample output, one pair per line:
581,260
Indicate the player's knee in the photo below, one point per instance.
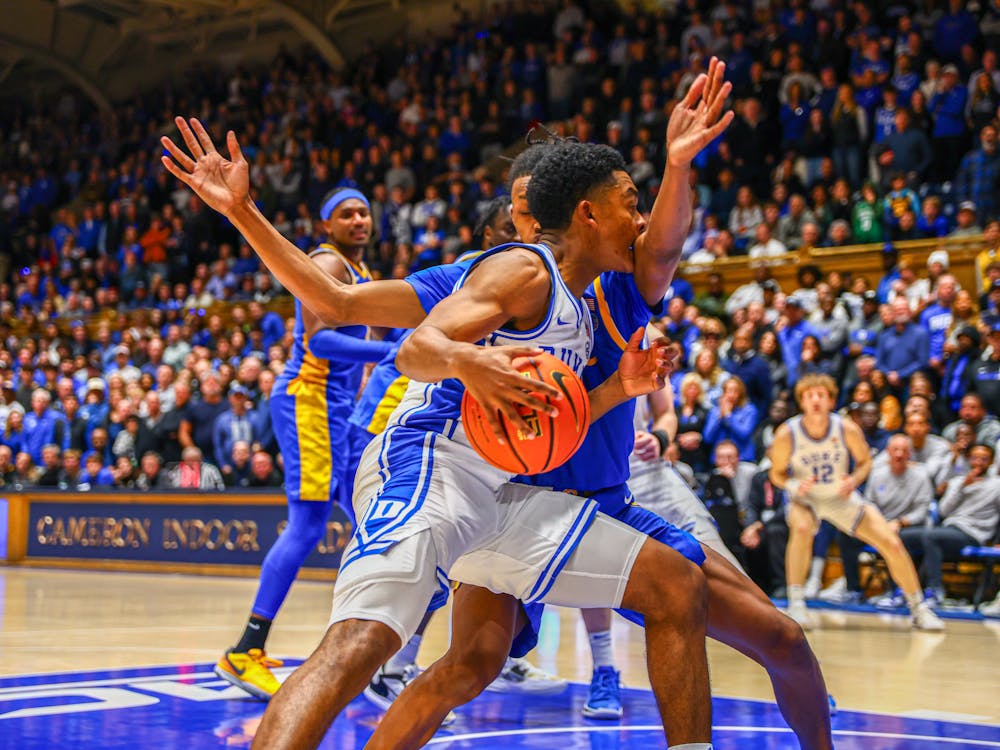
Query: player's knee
893,545
786,641
802,527
681,596
470,670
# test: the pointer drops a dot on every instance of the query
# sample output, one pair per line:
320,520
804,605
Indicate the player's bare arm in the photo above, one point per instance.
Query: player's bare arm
224,185
508,289
781,454
695,122
862,455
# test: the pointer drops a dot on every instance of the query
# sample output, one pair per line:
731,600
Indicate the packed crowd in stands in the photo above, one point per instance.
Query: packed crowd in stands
856,123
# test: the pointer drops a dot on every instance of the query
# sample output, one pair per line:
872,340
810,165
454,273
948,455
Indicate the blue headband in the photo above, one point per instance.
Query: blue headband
339,197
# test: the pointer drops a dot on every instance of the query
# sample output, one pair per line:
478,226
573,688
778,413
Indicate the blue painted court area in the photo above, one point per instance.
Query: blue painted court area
186,707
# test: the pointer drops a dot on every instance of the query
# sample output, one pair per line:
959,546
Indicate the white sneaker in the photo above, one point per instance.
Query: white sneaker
811,589
991,609
385,687
800,613
923,618
835,591
521,676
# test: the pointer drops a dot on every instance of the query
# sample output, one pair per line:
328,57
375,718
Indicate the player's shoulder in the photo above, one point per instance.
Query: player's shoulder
784,431
510,266
329,260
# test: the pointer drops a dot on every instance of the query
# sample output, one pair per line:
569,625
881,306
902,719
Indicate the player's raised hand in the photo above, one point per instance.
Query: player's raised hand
490,375
643,371
222,183
698,119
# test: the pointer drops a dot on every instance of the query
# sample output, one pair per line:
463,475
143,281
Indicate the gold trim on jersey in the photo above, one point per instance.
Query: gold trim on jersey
605,311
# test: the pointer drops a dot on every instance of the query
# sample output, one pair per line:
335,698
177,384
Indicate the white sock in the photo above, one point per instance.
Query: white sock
914,600
600,647
692,746
406,655
816,570
796,594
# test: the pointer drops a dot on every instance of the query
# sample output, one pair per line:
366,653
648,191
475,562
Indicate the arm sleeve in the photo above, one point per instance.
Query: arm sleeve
331,344
435,283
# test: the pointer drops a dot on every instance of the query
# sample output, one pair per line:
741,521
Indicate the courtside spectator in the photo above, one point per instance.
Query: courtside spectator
193,473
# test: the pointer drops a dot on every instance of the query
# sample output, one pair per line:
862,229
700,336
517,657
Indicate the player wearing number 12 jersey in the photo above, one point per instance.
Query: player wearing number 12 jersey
812,456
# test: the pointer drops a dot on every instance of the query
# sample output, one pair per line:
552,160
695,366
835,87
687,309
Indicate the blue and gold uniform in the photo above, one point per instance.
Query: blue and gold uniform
311,403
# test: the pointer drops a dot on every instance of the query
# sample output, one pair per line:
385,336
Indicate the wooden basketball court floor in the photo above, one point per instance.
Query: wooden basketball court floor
123,660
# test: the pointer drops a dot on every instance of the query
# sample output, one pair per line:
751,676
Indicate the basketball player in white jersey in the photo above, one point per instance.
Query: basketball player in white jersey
424,498
812,456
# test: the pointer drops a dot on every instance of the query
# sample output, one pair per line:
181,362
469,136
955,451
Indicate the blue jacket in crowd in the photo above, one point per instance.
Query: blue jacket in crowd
904,351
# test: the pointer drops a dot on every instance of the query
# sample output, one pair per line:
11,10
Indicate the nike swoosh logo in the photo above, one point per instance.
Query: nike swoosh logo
559,377
236,670
561,322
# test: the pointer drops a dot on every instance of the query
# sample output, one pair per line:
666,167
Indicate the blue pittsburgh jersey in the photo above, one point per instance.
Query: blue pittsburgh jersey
618,309
566,332
339,380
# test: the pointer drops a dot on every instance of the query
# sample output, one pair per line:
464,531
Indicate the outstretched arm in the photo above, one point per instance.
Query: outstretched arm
695,122
224,184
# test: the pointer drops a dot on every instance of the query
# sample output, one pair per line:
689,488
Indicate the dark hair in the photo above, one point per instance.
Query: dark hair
526,161
566,174
489,214
987,446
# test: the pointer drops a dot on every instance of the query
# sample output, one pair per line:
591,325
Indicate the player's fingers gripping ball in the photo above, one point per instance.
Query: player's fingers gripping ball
554,438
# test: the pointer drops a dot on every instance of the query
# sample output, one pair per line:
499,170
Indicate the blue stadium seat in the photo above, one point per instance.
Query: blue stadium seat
989,556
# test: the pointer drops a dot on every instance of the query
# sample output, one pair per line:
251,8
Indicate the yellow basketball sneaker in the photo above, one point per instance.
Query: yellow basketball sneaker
250,671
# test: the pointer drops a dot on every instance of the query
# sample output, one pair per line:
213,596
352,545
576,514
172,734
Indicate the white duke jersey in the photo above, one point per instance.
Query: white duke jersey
825,460
566,333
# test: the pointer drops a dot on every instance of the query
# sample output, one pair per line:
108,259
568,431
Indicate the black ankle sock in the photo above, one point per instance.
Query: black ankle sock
254,635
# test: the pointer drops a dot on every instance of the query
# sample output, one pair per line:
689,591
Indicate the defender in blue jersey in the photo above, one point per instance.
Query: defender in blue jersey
311,403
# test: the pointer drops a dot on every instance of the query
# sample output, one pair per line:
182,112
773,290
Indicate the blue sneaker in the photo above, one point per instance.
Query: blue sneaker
890,600
605,698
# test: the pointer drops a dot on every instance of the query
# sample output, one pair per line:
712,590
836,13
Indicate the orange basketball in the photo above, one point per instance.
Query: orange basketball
555,438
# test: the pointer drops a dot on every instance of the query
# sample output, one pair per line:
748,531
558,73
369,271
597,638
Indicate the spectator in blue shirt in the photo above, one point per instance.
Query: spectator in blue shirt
978,178
936,319
902,348
272,324
954,30
95,473
743,362
733,418
791,335
236,423
950,137
42,426
905,149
